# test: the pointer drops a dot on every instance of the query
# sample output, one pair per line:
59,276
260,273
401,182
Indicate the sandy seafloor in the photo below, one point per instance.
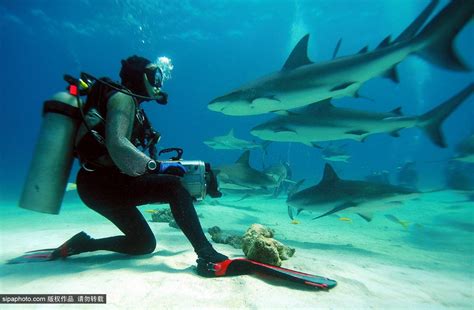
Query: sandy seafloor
378,265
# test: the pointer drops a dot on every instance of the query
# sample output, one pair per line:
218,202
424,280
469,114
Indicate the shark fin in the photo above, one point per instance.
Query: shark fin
364,50
329,175
439,34
413,28
366,216
338,208
299,55
244,158
336,49
397,111
231,133
392,74
385,42
342,86
317,107
431,121
291,212
357,132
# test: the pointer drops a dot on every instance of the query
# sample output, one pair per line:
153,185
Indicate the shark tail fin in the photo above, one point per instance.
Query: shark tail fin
431,121
436,39
415,26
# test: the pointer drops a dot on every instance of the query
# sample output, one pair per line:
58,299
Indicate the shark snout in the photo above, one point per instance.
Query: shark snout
216,105
257,131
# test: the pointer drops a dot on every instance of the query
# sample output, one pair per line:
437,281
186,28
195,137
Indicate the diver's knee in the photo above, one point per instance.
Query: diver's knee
147,246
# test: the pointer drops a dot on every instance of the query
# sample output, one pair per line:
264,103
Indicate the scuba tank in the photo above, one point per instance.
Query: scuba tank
53,156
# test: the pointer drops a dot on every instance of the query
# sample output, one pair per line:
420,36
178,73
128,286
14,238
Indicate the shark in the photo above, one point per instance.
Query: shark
240,176
301,82
230,142
465,150
325,122
333,194
336,153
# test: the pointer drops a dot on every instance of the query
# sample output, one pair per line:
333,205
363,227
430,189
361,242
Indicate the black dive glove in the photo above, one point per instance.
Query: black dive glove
172,168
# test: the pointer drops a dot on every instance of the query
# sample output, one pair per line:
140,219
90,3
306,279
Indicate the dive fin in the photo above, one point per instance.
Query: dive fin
243,266
35,256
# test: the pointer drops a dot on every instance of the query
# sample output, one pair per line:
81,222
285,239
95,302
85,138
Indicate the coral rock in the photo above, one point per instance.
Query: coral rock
258,244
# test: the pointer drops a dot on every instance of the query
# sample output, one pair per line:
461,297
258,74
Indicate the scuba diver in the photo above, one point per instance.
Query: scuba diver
116,176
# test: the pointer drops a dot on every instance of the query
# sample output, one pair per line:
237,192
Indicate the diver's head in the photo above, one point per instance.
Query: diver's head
142,77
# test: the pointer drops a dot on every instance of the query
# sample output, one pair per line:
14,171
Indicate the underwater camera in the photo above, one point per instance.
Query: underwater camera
199,178
194,180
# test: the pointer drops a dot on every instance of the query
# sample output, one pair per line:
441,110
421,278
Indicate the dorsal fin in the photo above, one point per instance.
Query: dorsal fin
231,132
317,107
299,55
336,49
365,49
385,42
392,74
329,175
397,111
244,158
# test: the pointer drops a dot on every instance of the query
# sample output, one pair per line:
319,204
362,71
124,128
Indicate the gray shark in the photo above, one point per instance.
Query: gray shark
465,150
335,153
230,142
240,176
333,194
325,122
301,82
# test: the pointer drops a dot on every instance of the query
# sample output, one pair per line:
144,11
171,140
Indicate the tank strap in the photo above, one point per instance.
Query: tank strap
54,106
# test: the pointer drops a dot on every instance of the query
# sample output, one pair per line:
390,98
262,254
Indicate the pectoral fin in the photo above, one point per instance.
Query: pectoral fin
291,212
366,216
338,208
342,86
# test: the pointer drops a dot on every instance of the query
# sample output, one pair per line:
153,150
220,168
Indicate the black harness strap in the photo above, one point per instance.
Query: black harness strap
55,106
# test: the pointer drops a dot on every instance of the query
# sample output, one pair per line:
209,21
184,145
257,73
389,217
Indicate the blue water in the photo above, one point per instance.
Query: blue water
215,47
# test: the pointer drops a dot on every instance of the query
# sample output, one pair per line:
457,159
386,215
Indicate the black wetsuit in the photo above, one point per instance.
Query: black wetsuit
115,190
116,196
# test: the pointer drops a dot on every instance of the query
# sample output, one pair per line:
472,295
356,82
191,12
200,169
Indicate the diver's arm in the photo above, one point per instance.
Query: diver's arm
119,126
